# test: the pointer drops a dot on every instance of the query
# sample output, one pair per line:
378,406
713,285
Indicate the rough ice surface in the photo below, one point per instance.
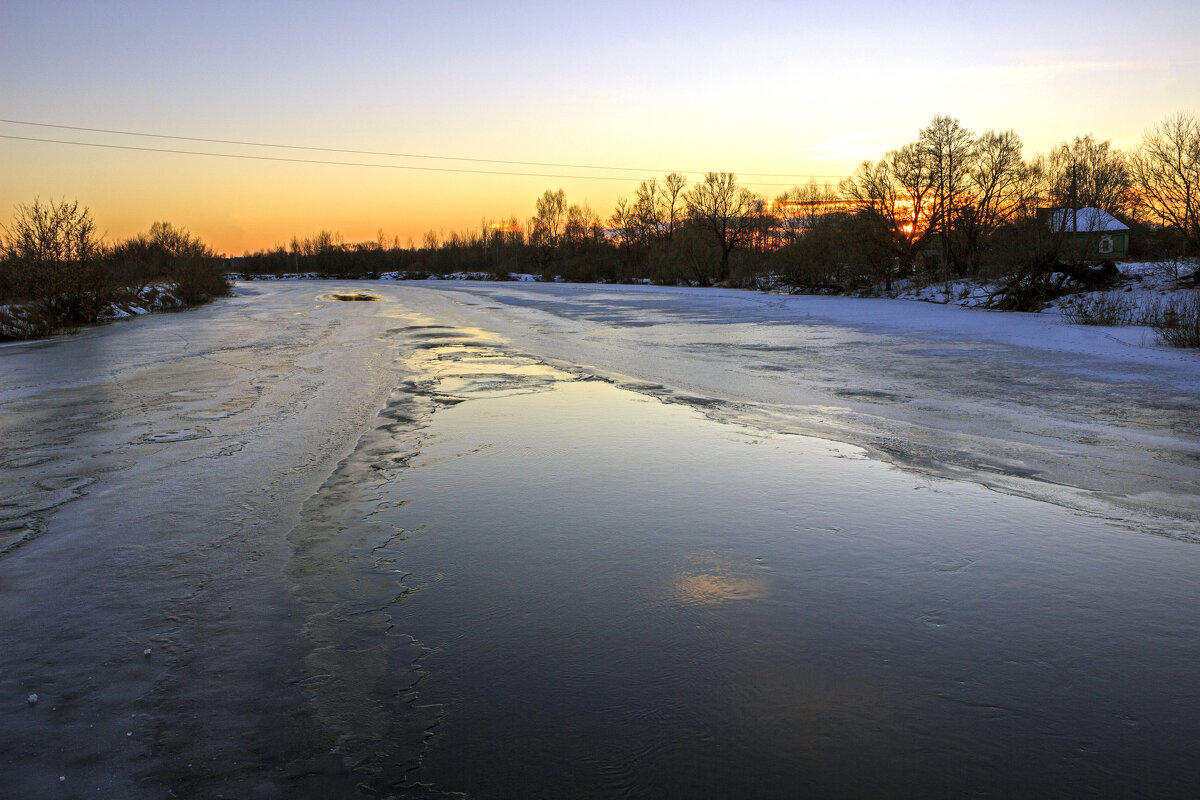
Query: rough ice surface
597,541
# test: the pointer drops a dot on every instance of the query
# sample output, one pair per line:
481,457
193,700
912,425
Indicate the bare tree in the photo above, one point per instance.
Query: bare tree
659,207
996,184
673,203
627,230
548,223
1167,172
582,225
322,243
725,210
1087,173
798,209
948,149
896,192
649,212
551,211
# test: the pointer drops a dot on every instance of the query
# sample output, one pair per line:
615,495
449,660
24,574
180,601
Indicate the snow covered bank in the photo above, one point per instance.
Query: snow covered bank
1141,294
31,320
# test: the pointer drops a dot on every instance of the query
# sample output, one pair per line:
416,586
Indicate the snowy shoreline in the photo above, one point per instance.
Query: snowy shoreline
1139,288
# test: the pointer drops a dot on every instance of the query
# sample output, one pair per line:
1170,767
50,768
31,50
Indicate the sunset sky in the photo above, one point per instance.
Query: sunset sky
788,90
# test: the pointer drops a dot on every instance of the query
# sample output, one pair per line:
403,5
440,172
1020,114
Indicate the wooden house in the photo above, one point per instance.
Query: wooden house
1089,234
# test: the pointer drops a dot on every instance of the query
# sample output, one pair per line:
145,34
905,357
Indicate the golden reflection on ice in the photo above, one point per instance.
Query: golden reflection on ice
708,579
467,335
466,362
352,295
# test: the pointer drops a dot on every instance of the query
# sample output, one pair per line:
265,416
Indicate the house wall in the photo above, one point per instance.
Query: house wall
1088,246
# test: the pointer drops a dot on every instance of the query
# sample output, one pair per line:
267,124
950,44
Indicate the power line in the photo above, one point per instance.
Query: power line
245,143
248,157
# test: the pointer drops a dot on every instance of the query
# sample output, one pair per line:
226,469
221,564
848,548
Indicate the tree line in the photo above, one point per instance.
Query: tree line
951,204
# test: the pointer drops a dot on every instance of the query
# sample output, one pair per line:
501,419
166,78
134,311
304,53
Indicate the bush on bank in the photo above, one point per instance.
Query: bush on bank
57,272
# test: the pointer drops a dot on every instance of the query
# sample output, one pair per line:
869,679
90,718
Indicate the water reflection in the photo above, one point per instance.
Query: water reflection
708,579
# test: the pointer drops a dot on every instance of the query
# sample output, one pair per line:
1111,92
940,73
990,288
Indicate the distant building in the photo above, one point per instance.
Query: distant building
1089,234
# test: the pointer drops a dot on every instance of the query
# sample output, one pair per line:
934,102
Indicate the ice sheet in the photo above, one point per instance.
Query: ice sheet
1100,419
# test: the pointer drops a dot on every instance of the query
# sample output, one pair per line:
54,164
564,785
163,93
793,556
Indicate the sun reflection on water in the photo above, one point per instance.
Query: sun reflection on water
708,579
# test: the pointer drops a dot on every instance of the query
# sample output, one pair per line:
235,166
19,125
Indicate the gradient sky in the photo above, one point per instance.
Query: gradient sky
790,89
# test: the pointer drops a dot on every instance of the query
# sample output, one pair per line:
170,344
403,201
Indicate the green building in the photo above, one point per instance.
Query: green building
1089,234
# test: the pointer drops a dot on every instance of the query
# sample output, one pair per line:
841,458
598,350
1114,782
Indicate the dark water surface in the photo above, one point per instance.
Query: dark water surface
530,584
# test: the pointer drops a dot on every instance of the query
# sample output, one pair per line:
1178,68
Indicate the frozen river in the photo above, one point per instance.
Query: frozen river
525,540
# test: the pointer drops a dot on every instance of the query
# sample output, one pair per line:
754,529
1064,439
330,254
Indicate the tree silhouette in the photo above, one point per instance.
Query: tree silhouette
725,210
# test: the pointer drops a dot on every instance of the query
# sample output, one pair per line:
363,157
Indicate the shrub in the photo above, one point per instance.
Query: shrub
198,280
1110,308
168,253
1177,321
1028,290
1174,268
51,253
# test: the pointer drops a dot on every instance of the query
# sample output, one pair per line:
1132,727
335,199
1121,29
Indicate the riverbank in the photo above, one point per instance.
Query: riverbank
35,320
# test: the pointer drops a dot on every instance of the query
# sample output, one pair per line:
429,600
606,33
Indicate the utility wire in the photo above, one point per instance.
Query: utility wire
248,157
389,154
